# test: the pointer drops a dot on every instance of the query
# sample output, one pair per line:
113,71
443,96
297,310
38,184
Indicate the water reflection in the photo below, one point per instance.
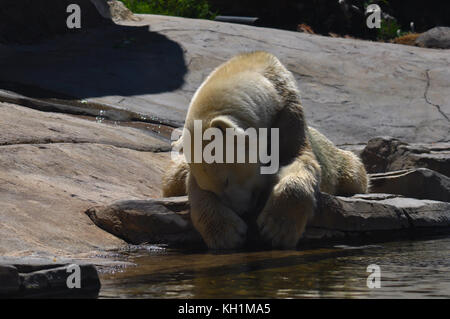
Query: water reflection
409,269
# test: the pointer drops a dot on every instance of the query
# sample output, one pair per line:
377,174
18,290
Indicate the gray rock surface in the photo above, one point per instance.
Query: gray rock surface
385,154
352,90
370,216
21,125
377,212
421,183
437,37
55,166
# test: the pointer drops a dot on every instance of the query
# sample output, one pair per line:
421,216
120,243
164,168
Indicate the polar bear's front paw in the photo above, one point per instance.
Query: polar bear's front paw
231,234
278,231
283,226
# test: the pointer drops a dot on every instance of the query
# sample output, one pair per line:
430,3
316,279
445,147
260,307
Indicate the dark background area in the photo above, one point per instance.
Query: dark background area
41,19
326,16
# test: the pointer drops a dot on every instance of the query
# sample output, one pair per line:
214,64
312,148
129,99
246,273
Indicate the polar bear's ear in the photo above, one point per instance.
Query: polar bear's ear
222,123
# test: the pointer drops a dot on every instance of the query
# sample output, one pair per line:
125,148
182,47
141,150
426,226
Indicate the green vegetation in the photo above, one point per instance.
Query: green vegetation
390,29
198,9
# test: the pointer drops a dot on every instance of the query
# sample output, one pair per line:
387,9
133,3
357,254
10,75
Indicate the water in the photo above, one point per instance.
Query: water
409,269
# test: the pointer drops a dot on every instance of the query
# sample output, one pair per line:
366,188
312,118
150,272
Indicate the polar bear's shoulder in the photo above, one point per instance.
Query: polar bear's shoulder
257,61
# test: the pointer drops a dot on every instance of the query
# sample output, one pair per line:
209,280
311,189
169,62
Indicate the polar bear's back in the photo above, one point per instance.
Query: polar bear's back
240,86
258,61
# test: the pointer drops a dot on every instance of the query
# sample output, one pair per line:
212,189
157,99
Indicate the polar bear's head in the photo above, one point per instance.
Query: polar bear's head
236,183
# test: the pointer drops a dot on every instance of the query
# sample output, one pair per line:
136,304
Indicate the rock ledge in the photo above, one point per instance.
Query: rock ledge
369,216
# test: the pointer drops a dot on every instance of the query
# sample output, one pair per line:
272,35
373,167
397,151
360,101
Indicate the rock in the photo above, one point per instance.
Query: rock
422,214
28,264
421,183
377,153
377,88
367,216
159,221
120,12
437,37
114,10
56,166
348,214
385,154
372,217
9,280
375,212
48,280
53,282
22,125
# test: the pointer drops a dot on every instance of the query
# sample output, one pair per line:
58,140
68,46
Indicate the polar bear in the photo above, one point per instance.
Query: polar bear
256,90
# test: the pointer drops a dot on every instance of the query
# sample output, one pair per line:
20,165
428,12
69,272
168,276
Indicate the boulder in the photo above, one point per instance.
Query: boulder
421,183
370,216
437,37
47,280
9,280
29,264
52,282
385,154
159,221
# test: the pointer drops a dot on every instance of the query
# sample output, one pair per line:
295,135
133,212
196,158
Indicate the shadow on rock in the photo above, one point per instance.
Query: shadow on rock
112,60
